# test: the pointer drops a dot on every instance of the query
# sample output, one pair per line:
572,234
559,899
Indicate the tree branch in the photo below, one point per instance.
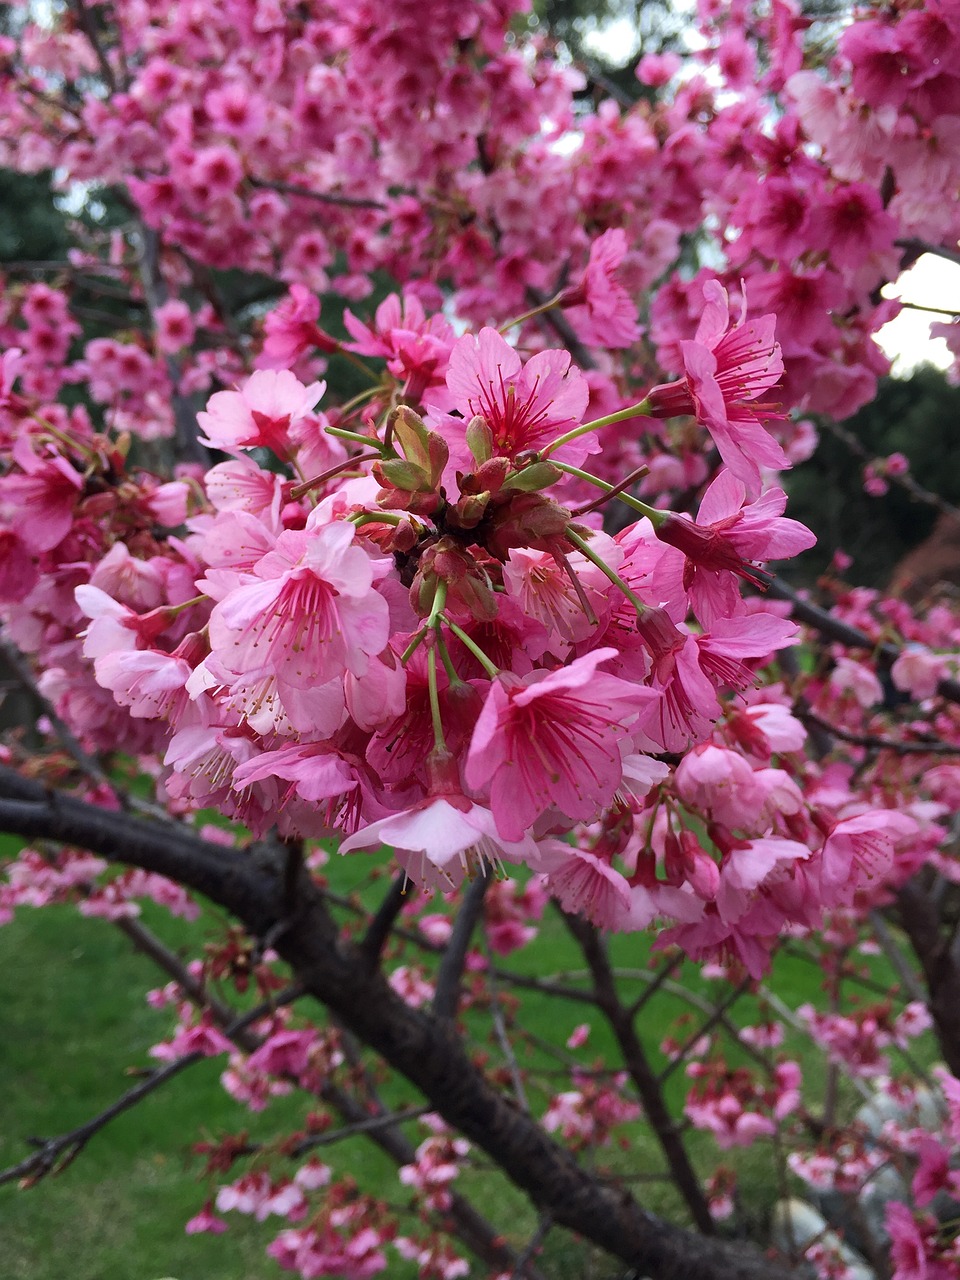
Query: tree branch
920,247
424,1048
447,994
823,621
381,925
327,197
642,1074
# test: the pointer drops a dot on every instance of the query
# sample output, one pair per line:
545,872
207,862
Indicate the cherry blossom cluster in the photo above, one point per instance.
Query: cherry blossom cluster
476,574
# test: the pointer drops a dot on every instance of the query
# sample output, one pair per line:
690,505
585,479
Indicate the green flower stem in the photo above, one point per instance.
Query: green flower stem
413,646
582,545
355,436
634,411
491,670
439,741
77,446
439,600
360,398
175,609
446,659
530,315
360,518
361,365
635,503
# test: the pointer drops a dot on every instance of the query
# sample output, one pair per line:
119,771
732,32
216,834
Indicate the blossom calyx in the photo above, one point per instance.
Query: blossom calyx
425,449
537,475
466,584
528,520
480,439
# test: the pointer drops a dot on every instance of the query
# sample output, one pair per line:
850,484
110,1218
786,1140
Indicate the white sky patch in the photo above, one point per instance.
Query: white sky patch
617,41
932,282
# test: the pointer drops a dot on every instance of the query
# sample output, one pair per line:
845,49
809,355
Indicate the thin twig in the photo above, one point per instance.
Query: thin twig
532,1245
937,311
877,743
905,482
328,197
381,925
55,1154
640,1071
717,1017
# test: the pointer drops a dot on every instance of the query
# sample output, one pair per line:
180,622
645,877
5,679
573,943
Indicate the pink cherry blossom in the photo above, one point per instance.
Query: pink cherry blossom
309,613
526,406
725,370
261,413
551,740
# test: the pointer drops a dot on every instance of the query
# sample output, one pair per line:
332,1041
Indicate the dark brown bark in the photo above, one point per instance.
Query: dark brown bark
937,947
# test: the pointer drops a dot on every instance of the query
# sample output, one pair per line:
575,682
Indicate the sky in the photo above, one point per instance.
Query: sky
933,282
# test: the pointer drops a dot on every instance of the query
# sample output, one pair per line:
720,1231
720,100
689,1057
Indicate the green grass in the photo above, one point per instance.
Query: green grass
74,1020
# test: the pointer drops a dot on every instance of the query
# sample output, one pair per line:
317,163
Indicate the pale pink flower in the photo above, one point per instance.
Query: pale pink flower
312,614
442,839
861,849
585,884
284,1053
260,414
205,1221
720,784
918,671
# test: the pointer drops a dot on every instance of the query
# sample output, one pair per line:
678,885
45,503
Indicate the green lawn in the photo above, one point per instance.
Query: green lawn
74,1020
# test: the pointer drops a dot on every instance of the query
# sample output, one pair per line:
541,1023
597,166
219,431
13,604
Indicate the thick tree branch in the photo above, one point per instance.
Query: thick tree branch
447,993
919,247
922,922
424,1048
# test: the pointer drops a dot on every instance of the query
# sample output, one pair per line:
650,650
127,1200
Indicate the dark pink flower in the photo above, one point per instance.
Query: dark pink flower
552,740
526,406
602,311
726,368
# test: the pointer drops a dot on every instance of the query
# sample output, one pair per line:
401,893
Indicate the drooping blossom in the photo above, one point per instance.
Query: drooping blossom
600,308
725,543
725,370
551,739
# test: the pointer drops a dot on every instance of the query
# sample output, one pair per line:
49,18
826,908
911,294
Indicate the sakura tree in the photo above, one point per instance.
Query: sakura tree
411,504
